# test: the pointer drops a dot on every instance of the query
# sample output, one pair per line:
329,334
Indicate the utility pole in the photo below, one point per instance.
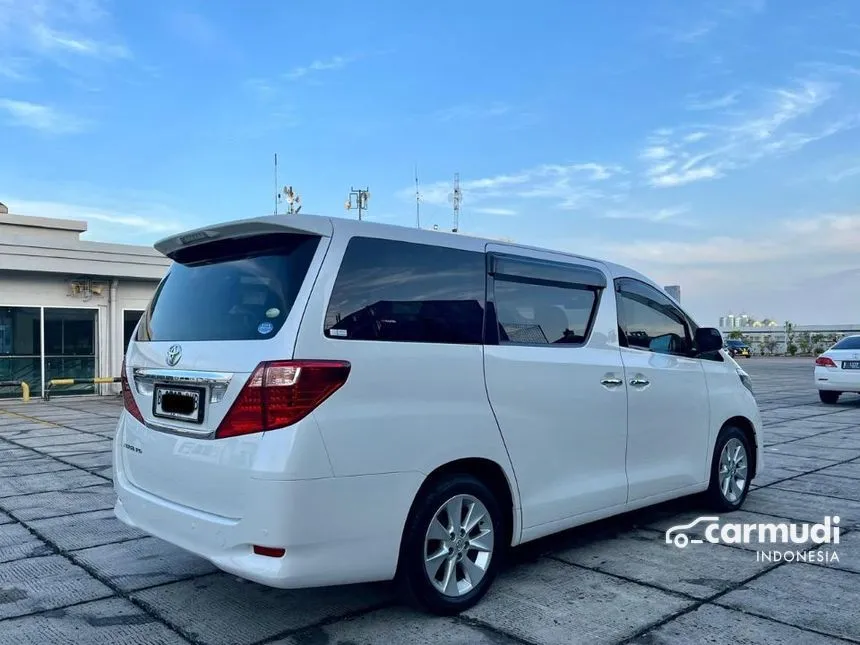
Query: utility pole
417,200
361,196
277,195
455,197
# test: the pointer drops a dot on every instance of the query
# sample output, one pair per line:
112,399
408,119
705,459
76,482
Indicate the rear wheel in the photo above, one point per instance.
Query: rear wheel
827,396
453,545
731,468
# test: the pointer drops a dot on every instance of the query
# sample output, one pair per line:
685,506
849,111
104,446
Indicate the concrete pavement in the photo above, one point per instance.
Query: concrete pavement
71,573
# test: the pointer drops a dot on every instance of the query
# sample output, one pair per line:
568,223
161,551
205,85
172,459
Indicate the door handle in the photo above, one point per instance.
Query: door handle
639,381
611,382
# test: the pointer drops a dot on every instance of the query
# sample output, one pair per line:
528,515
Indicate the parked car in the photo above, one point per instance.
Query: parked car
318,401
838,369
738,348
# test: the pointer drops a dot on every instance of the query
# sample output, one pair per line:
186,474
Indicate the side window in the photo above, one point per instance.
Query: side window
403,292
649,321
544,304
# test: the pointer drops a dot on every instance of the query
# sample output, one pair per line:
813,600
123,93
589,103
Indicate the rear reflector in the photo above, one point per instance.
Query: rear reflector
269,551
128,401
280,393
825,361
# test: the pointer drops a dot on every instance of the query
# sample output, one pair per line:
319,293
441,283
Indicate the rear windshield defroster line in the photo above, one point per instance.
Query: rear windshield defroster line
235,289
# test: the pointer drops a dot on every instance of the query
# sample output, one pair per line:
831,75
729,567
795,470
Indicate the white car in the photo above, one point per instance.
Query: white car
838,369
318,401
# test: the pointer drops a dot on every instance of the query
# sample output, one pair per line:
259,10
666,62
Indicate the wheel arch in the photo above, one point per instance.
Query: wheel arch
490,473
746,426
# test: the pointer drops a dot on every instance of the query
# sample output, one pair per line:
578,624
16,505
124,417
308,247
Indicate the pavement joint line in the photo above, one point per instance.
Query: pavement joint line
814,471
330,620
92,572
779,621
487,627
698,602
792,490
65,461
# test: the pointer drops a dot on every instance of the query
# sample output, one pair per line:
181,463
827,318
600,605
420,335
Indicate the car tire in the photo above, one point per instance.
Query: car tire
424,536
731,468
828,396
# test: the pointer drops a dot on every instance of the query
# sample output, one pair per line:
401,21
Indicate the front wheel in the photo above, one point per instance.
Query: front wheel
731,468
453,545
828,396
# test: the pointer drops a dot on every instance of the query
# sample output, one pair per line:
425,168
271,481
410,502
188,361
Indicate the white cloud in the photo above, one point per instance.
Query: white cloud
844,173
655,216
63,32
40,117
713,103
569,186
154,219
490,210
765,127
319,65
685,177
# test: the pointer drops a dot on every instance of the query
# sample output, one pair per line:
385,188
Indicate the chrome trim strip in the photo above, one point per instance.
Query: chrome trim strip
182,432
215,382
182,376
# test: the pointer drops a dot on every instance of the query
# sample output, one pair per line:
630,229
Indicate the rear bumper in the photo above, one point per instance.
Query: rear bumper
335,530
837,380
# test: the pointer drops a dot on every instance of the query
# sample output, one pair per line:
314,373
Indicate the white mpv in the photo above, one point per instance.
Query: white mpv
318,401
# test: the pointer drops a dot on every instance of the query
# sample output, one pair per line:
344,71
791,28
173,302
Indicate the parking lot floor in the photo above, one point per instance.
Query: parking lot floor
71,573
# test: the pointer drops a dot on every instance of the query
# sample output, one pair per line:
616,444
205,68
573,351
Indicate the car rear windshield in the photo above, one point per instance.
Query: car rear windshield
852,342
236,289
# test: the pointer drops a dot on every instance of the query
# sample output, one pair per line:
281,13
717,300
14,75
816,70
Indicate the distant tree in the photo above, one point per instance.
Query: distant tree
804,343
817,339
769,344
736,335
792,349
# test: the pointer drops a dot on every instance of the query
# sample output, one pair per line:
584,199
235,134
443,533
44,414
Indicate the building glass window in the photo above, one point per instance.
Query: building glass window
403,292
20,349
71,348
130,317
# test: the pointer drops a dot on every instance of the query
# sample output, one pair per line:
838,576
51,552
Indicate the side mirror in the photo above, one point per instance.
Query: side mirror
708,339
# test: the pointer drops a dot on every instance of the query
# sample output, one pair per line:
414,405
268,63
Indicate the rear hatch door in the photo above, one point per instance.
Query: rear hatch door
233,298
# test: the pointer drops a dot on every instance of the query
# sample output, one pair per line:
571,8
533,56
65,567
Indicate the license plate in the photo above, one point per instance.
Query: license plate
851,365
182,404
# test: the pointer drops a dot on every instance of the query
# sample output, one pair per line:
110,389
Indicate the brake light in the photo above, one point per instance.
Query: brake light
280,393
825,361
128,401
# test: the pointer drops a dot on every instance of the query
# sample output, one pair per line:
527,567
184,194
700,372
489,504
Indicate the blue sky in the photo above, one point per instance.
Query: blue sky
711,144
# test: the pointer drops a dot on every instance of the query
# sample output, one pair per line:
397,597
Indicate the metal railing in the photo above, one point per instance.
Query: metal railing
54,382
25,388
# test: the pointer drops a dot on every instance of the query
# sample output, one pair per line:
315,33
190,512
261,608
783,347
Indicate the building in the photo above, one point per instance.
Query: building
674,291
68,306
773,339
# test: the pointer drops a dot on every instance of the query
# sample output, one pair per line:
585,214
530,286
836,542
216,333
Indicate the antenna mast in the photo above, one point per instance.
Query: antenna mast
455,198
417,200
277,194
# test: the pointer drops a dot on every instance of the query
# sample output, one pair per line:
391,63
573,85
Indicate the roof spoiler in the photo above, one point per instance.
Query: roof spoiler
300,224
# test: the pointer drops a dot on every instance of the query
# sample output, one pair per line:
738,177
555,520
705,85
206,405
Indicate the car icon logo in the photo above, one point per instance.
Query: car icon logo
174,354
676,535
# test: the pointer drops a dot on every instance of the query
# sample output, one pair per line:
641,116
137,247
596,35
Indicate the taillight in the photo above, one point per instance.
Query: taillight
128,398
280,393
825,361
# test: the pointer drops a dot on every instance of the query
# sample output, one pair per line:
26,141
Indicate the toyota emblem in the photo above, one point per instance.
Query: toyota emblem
174,354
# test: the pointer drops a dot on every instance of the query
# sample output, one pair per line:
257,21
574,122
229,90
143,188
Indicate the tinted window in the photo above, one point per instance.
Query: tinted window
648,320
851,342
540,314
398,291
242,290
